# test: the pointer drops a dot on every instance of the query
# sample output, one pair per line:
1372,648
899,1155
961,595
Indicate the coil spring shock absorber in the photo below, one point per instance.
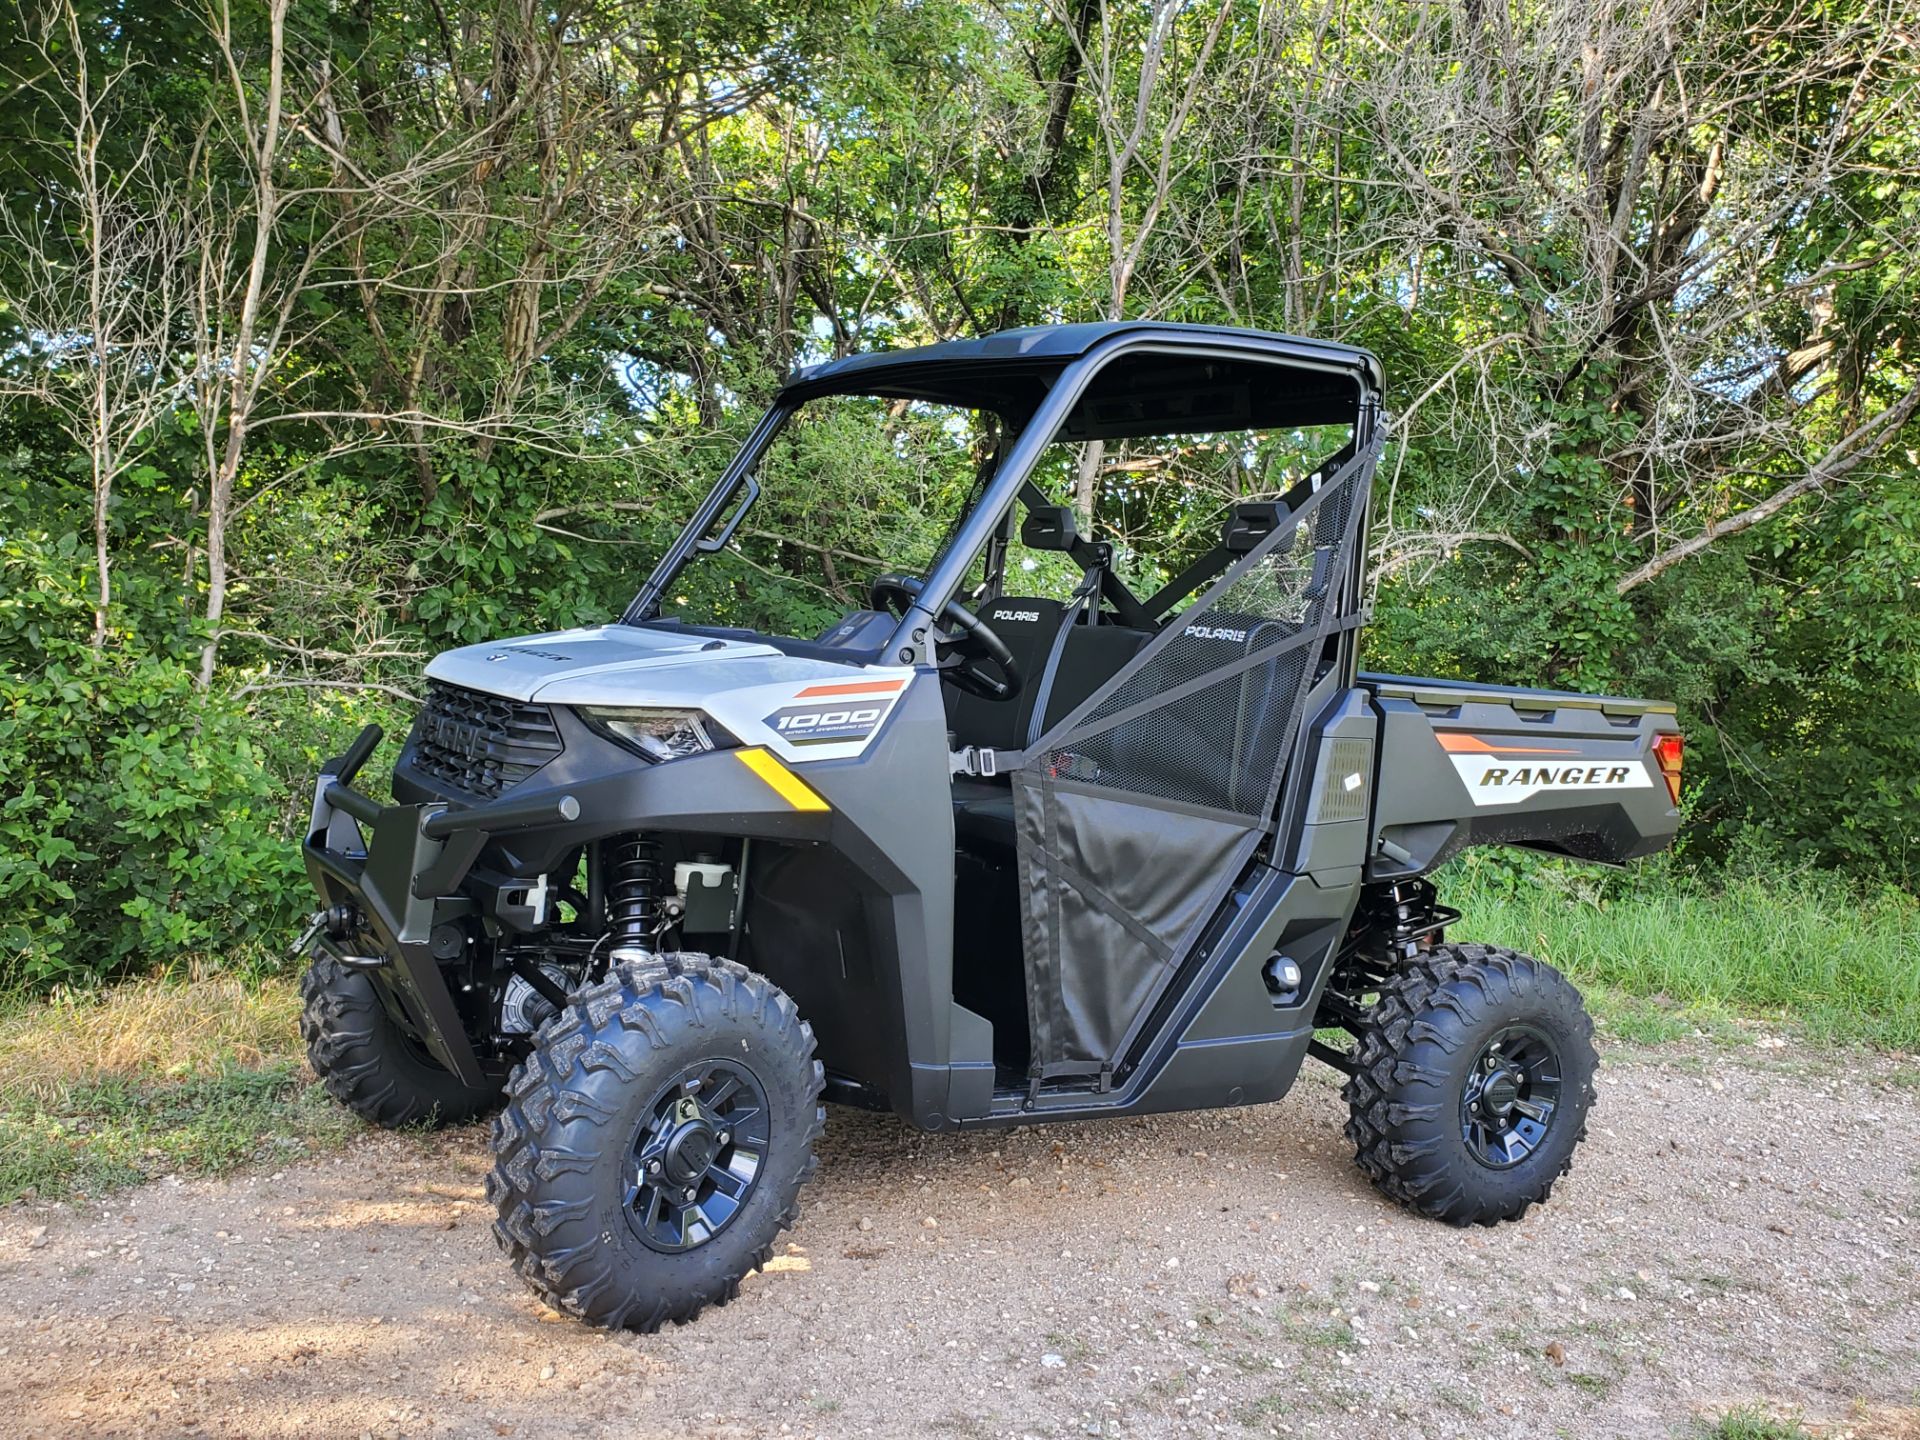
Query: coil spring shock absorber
633,896
1405,920
1396,921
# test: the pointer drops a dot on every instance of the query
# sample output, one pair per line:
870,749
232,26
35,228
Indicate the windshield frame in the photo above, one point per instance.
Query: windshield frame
1024,439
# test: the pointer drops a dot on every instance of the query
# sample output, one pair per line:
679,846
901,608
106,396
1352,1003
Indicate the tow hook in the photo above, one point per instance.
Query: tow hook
336,922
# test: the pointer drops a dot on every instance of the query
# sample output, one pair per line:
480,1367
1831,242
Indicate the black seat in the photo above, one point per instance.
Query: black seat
983,813
983,809
1028,626
1221,741
1092,655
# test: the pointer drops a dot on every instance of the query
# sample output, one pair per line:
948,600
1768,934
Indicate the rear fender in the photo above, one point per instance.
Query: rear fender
1568,774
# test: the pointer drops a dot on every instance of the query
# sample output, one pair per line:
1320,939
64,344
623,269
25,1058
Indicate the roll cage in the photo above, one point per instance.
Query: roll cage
1048,384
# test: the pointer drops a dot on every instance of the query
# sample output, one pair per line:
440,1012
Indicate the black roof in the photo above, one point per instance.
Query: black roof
1065,343
1011,372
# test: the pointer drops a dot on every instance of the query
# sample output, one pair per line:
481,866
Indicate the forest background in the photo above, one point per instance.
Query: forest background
337,332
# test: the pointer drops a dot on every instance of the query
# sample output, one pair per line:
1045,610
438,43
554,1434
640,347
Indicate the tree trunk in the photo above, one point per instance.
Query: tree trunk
102,493
219,503
248,368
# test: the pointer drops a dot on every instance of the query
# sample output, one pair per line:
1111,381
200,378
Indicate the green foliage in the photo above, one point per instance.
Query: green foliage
141,821
531,279
1798,946
94,1137
1751,1423
851,488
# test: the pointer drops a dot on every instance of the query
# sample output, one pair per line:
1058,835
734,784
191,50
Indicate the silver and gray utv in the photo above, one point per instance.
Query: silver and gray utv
1058,825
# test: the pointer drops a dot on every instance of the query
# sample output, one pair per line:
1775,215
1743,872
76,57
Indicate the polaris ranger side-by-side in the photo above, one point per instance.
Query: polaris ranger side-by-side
1029,838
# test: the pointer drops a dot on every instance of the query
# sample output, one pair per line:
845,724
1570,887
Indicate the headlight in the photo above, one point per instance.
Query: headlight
658,733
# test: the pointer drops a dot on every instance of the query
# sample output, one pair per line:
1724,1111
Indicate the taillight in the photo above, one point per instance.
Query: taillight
1669,751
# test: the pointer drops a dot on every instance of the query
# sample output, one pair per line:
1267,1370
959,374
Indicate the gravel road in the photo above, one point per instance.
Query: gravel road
1732,1233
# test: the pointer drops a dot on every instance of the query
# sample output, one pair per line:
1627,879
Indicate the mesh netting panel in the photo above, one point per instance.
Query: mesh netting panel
1135,814
1218,744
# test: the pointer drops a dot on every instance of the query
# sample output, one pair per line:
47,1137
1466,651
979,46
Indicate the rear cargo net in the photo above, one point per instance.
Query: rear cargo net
1135,813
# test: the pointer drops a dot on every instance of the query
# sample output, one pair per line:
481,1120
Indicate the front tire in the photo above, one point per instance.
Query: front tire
369,1064
1472,1084
655,1142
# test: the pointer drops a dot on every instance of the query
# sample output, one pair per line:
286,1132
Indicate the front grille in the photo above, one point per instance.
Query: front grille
481,744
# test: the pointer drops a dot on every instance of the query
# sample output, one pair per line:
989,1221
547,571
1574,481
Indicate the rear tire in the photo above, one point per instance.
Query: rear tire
372,1066
1472,1084
655,1142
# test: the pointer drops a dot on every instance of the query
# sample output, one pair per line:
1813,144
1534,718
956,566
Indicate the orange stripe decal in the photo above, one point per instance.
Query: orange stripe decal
1456,743
865,687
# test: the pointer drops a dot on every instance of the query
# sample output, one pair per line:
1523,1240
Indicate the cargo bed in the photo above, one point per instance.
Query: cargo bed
1594,777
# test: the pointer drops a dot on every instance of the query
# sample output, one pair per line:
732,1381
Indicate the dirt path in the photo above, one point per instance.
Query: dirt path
1190,1275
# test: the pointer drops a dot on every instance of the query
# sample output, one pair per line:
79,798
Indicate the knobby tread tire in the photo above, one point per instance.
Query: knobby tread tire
1403,1097
368,1065
574,1104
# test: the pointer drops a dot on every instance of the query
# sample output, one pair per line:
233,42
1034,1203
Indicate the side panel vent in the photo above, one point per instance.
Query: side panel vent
1346,776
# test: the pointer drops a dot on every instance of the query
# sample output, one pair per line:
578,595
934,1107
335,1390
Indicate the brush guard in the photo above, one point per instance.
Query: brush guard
399,880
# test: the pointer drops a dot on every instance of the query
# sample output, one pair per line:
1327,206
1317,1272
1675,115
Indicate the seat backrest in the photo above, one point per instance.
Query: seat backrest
1028,626
1216,741
1093,655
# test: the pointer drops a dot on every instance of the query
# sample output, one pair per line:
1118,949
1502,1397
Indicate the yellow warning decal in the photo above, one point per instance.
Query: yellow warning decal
787,785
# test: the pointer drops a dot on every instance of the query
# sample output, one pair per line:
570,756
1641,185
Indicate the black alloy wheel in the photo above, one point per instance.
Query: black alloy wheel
1510,1097
655,1141
697,1155
1471,1083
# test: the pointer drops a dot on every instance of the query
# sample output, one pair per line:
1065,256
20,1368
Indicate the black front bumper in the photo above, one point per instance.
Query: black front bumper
402,879
410,869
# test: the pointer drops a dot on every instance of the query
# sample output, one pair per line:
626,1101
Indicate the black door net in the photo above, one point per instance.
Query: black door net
1135,813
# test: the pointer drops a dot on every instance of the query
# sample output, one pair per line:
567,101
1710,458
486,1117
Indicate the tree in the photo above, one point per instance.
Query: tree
94,286
337,333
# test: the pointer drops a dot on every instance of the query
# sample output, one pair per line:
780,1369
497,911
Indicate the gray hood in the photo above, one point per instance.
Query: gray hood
521,667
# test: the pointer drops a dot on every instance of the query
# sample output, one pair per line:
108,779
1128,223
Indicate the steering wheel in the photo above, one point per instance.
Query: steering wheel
967,651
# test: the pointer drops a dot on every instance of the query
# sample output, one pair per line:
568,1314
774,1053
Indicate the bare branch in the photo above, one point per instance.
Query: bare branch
1846,455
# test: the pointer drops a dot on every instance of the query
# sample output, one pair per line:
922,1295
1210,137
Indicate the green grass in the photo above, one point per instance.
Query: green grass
96,1137
1751,1424
1798,949
155,1077
1265,1410
1589,1382
1459,1400
1318,1335
198,1074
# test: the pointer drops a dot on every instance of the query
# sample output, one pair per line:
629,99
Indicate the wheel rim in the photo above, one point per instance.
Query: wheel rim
697,1155
1511,1096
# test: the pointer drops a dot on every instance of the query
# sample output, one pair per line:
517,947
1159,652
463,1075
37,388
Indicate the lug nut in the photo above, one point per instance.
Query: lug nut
653,1167
726,1137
